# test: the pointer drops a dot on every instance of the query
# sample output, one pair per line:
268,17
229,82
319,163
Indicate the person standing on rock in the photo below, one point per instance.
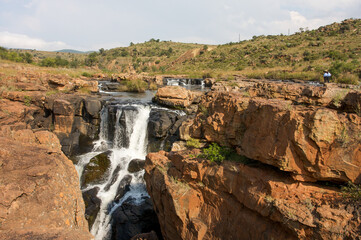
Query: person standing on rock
328,76
325,76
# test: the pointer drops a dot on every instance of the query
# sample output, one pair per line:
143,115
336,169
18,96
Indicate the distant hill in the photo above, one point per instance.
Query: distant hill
72,51
304,55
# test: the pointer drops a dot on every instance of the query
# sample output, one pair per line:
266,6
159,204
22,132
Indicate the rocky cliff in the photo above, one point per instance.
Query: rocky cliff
40,196
300,143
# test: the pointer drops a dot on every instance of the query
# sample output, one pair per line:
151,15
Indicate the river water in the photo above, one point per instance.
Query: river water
123,137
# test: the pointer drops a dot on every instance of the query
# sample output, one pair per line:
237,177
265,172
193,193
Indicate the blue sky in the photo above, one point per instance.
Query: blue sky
93,24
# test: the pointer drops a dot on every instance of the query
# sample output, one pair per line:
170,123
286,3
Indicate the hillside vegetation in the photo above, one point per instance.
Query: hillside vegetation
303,55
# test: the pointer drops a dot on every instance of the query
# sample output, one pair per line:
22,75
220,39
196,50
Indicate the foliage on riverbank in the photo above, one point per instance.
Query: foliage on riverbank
304,55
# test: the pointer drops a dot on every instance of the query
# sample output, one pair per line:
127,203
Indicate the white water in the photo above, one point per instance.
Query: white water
128,143
195,84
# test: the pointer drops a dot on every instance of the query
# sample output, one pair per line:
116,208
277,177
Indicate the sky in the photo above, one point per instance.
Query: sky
93,24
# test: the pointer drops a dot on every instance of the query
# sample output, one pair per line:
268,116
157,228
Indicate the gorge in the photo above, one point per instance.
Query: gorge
296,144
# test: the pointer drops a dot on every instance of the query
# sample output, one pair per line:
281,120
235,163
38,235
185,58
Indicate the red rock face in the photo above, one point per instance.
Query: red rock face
299,136
40,196
196,199
313,143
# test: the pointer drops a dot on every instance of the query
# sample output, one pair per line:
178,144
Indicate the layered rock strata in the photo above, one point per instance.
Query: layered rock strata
40,196
314,143
301,140
196,199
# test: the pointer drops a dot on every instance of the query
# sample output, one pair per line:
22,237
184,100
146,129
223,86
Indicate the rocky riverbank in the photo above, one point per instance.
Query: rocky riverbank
299,142
40,197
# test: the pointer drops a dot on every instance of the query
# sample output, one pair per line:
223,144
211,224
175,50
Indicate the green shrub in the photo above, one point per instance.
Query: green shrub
352,191
216,153
27,100
193,143
86,74
152,86
348,78
133,86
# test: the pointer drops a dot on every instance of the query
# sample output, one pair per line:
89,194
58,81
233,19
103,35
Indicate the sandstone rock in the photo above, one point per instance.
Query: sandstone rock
195,199
313,143
92,86
173,96
39,191
179,146
29,87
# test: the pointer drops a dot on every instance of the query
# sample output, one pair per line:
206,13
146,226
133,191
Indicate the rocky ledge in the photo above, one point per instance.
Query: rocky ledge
40,196
300,142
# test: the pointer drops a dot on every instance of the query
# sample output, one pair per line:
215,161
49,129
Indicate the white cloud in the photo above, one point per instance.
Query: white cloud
93,24
13,40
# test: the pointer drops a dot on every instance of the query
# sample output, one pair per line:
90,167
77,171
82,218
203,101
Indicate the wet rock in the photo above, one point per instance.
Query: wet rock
163,129
160,121
131,219
94,172
63,107
93,107
92,205
136,165
115,175
145,236
352,102
123,187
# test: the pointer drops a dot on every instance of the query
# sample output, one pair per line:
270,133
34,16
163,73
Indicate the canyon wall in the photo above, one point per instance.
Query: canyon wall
298,142
40,196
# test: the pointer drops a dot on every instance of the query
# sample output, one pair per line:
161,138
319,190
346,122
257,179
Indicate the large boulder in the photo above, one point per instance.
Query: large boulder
163,129
92,205
40,196
136,165
131,219
96,170
173,96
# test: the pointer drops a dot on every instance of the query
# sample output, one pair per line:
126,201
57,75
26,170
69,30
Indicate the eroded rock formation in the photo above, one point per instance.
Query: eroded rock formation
312,142
39,190
301,140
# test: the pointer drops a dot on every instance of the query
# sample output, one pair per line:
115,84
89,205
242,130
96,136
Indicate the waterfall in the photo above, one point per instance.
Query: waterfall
192,84
126,139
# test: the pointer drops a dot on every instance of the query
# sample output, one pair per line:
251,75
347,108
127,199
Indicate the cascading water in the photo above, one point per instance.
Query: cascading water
125,140
192,84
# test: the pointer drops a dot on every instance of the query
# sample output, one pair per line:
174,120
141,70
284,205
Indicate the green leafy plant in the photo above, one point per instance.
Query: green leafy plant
133,86
352,191
203,110
27,100
193,143
215,153
337,99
